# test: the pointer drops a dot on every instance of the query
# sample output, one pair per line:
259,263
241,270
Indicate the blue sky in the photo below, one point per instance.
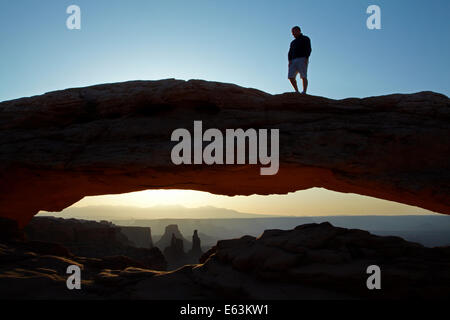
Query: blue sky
238,41
243,42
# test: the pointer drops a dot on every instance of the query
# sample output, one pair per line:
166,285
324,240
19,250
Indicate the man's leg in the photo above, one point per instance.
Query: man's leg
294,83
305,85
304,74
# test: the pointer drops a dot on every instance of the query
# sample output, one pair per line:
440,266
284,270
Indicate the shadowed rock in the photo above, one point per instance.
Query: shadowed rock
116,138
314,261
167,238
174,254
89,239
196,250
141,237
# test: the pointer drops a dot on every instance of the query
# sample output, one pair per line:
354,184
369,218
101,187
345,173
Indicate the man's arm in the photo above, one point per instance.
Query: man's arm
308,49
290,53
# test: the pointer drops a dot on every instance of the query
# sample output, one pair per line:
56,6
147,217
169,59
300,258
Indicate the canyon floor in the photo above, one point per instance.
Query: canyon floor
311,261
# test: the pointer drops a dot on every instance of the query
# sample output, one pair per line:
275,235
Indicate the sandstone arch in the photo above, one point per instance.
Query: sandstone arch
115,138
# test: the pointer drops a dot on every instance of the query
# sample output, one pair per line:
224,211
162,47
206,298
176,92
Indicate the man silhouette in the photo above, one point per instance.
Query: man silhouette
298,56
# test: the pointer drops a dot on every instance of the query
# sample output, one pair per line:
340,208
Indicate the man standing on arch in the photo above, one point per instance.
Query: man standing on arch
299,58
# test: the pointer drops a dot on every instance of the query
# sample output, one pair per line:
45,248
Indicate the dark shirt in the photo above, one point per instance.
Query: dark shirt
300,48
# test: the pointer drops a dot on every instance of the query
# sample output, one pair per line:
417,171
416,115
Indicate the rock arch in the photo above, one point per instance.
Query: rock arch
115,138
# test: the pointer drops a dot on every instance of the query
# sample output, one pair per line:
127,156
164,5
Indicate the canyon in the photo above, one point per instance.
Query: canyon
310,261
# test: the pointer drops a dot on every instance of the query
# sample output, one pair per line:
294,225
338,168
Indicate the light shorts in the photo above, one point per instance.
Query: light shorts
298,65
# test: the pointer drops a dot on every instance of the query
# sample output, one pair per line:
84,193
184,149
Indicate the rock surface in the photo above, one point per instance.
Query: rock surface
141,237
196,250
92,239
166,239
313,261
116,138
174,253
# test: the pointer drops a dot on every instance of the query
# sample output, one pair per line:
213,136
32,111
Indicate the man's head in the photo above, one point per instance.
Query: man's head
296,31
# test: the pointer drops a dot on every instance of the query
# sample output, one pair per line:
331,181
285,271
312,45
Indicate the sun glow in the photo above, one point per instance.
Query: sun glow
310,202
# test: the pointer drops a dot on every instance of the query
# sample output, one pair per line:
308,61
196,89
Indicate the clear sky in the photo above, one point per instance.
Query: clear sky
243,42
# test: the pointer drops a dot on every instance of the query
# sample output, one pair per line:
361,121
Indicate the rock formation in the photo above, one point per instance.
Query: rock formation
75,232
116,138
174,253
9,230
196,251
325,257
167,238
92,239
196,246
141,237
313,261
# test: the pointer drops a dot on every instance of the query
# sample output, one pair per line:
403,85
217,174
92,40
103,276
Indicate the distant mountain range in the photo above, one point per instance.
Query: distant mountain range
215,223
156,212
